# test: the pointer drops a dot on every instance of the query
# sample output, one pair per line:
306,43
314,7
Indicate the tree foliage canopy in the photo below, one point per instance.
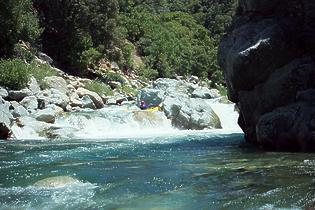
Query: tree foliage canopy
171,36
18,21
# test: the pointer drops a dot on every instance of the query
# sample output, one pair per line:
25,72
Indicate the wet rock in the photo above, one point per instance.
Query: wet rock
57,181
6,119
46,115
190,113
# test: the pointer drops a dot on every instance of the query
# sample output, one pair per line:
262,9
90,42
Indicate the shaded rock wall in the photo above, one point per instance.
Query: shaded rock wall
268,58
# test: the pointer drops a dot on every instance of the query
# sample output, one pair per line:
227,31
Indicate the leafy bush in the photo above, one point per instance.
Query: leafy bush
40,71
89,58
98,87
14,73
146,73
127,90
112,76
24,52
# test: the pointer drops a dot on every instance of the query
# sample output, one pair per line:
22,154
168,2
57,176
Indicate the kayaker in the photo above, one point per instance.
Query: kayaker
143,105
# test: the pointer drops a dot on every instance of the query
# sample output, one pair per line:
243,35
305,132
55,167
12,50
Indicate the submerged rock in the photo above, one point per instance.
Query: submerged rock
57,181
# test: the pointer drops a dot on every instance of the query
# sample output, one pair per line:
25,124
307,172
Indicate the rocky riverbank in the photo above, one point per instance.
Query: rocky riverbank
268,59
185,103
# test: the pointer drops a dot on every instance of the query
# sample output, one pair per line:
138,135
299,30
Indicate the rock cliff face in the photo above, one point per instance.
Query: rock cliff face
268,56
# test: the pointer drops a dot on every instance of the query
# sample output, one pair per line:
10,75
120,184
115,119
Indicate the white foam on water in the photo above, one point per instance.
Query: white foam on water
122,122
227,114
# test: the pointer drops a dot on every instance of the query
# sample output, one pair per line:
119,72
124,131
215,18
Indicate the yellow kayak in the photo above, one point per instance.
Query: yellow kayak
154,108
150,109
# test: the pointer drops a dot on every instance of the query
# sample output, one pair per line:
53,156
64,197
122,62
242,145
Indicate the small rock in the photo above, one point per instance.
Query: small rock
45,58
3,92
33,86
114,84
20,111
193,79
114,66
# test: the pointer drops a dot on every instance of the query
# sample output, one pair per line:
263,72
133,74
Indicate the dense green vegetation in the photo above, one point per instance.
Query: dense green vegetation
170,37
15,73
18,21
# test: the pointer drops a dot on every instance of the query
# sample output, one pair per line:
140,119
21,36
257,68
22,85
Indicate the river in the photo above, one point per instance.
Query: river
150,167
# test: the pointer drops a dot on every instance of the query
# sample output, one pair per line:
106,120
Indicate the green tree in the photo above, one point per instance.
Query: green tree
18,21
75,26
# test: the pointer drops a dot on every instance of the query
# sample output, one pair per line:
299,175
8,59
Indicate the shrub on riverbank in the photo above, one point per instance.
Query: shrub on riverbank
14,73
40,71
98,87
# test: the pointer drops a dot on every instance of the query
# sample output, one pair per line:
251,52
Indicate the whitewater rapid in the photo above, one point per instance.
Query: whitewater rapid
122,122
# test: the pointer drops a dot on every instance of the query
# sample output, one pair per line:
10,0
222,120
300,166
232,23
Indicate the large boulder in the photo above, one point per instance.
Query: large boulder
53,96
152,97
57,83
185,104
190,113
94,96
46,115
268,58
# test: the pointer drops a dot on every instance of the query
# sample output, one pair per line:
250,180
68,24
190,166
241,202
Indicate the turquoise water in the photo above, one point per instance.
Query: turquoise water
189,171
